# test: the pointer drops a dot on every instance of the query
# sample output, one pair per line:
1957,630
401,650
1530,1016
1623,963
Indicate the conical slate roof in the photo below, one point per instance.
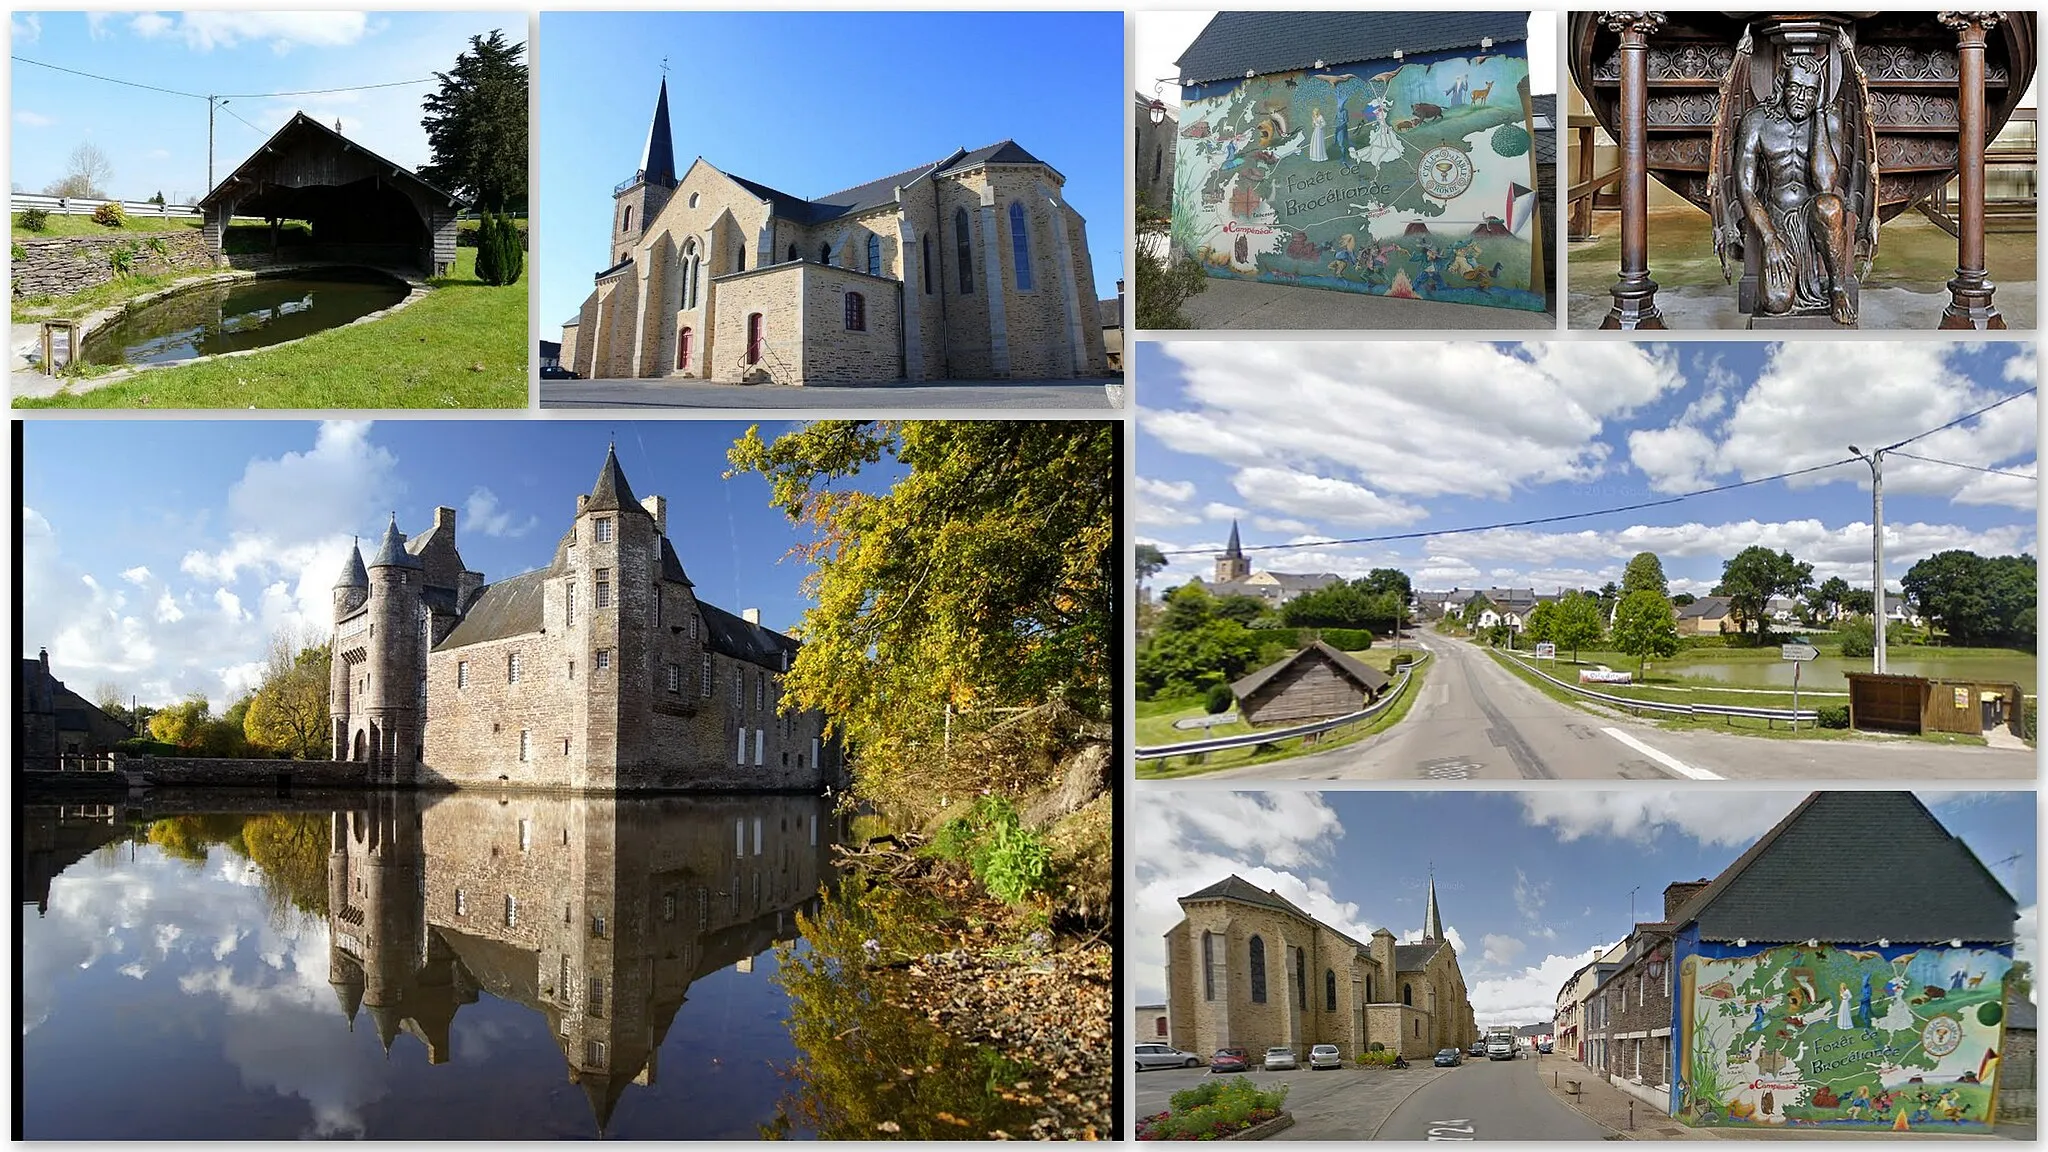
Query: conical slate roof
1433,920
658,161
391,551
1234,549
611,493
352,573
348,989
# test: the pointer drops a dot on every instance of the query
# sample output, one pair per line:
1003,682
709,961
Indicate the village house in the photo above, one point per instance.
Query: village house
1246,968
1707,616
971,267
58,725
599,671
1569,1022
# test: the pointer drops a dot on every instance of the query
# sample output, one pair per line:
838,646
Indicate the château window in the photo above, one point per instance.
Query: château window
675,679
693,626
856,312
1258,970
525,745
927,262
562,985
963,251
597,927
512,668
604,659
461,905
604,530
1329,990
668,906
874,255
1408,995
525,834
572,604
511,911
760,690
462,673
604,587
704,675
740,258
596,1001
1020,245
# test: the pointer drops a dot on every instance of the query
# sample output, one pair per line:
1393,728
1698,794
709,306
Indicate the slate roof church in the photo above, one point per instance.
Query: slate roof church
1234,577
599,671
970,267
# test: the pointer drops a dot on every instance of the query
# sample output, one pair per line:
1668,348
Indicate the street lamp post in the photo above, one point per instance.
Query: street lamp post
212,102
1877,605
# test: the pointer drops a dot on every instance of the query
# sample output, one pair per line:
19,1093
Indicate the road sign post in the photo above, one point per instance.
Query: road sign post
1798,654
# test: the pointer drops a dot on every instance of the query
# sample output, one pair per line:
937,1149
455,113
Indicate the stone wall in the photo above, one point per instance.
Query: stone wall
836,353
2016,1100
1638,1031
62,265
179,771
776,293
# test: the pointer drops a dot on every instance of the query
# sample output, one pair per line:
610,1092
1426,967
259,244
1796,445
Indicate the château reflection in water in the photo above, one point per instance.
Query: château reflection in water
595,917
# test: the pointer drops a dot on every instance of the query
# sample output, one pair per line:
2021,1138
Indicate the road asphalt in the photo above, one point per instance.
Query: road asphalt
1475,720
1487,1100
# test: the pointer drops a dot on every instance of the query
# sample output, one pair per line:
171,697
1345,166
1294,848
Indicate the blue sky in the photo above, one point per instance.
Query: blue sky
163,555
1529,882
815,102
1308,441
157,142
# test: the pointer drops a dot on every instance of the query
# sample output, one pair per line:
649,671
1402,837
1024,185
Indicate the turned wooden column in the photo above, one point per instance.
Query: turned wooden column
1969,293
1635,294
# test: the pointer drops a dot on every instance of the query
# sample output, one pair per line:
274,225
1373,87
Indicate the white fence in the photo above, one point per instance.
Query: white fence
85,206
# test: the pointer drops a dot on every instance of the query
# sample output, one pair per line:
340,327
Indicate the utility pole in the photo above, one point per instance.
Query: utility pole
1877,605
212,102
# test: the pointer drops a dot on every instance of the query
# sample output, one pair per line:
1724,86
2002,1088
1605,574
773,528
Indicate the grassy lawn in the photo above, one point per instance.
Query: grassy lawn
464,346
1743,725
55,225
1155,727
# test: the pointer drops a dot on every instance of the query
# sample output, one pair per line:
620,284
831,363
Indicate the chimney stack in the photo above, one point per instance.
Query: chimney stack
752,616
1676,895
657,507
444,518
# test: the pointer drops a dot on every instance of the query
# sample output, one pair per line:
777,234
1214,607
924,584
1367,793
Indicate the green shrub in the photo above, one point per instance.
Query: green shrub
110,214
121,258
1219,700
18,253
1347,639
1859,638
32,220
1402,658
159,248
1011,861
1379,1058
1834,715
1291,637
1214,1110
500,252
467,232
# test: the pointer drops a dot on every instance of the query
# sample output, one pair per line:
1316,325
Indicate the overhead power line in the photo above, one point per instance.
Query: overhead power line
1959,464
222,95
325,91
108,79
1564,517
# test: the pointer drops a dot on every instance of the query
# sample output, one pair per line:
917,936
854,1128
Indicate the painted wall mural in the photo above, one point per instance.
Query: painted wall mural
1900,1038
1412,178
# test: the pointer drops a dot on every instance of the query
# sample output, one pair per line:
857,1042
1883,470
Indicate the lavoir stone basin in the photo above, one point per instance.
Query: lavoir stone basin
239,315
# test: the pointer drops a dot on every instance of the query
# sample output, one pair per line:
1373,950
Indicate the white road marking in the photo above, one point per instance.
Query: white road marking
1667,760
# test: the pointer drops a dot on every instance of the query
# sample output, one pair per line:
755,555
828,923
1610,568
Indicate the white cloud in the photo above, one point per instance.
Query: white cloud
1500,950
1323,498
96,24
1708,817
1530,896
203,31
138,576
486,518
1166,491
26,29
1528,996
28,119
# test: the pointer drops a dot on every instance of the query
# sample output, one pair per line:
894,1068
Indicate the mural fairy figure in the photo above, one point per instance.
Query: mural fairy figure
1382,146
1796,175
1315,137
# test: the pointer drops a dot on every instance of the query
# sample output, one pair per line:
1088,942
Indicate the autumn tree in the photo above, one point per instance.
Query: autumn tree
289,711
181,723
984,578
1645,626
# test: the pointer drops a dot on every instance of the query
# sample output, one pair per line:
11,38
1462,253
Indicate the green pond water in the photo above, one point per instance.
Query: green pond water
1826,673
234,317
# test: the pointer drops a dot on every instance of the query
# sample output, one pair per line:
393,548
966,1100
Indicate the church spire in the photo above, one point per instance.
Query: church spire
1433,920
1234,549
658,162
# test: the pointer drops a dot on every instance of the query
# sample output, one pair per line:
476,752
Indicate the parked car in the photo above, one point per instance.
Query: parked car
1325,1056
1165,1056
1544,1047
1230,1060
1449,1058
1281,1058
557,373
1478,1049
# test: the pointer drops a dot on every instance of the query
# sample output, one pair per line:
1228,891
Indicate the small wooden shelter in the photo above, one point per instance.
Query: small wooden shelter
1316,683
363,208
1917,704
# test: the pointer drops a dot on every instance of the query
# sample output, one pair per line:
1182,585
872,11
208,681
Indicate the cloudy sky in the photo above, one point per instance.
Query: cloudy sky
162,555
157,141
1531,883
1308,441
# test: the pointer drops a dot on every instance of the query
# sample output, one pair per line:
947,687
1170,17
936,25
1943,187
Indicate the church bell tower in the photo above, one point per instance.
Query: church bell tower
640,199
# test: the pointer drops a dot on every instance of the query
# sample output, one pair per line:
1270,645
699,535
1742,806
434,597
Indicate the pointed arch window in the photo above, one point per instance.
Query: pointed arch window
793,256
626,221
1258,967
690,265
1408,995
1020,245
1329,990
874,255
927,265
1300,979
963,246
1208,965
824,253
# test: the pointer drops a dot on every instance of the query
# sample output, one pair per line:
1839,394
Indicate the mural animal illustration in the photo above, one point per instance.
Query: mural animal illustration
1973,981
1483,278
1339,78
1479,96
1428,112
1403,125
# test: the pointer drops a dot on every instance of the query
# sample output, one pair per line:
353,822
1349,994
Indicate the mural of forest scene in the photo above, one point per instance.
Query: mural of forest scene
1412,178
1878,1037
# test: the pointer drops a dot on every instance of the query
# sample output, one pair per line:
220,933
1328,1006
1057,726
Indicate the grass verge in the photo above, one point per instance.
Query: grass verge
464,346
69,225
1178,766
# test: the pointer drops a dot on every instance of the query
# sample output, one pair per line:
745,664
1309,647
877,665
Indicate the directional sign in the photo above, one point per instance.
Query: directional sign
1205,721
1799,652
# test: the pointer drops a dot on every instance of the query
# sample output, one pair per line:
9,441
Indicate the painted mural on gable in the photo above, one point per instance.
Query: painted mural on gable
1878,1037
1412,178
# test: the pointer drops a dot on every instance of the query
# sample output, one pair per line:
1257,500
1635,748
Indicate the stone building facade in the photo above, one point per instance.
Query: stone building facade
1627,1029
1155,145
1234,576
601,671
972,267
598,913
57,724
1247,968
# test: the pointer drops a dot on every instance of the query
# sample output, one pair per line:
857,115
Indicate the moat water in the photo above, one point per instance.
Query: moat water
239,315
212,966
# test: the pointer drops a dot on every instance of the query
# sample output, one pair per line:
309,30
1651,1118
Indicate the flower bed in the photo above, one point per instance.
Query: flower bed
1216,1110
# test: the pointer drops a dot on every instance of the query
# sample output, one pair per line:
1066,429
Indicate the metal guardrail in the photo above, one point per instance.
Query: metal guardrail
1789,715
1224,743
85,206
